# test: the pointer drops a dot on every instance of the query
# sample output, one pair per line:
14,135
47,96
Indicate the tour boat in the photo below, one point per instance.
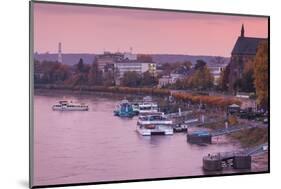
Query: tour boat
154,119
124,109
148,130
65,105
154,125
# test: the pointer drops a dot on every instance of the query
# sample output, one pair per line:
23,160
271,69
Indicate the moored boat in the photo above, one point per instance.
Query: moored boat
146,130
154,119
124,109
65,105
154,125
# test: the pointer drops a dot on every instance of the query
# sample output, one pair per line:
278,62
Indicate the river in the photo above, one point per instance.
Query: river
94,146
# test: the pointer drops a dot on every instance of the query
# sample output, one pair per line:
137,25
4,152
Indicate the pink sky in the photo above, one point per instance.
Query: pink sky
83,29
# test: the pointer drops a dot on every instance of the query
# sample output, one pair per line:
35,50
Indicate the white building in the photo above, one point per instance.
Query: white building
134,66
216,72
169,79
130,56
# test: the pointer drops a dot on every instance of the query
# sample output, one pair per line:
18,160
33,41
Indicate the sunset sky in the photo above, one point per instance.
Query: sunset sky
83,29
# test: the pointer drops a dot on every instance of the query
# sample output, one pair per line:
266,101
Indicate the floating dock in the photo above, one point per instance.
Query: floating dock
237,160
199,137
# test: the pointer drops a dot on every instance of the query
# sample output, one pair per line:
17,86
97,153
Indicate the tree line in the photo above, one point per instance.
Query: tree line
198,78
53,72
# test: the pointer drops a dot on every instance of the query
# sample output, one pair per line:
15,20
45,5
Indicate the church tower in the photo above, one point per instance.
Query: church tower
242,31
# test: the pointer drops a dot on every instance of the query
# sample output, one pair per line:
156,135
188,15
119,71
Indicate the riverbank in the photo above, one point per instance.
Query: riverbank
211,101
104,96
247,137
163,104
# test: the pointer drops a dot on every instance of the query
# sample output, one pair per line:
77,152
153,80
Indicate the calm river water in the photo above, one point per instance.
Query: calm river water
93,146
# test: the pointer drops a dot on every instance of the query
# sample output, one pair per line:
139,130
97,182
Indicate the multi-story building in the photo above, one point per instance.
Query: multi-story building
119,63
170,79
135,66
106,59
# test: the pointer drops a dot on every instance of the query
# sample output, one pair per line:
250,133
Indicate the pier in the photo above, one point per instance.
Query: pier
198,138
235,159
179,114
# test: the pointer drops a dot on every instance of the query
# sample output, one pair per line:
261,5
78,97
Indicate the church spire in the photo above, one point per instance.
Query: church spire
242,31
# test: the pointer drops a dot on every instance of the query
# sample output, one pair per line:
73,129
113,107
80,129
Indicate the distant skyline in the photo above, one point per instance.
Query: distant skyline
83,29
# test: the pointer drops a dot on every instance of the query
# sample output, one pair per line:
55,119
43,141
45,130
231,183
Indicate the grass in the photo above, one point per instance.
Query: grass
251,137
247,137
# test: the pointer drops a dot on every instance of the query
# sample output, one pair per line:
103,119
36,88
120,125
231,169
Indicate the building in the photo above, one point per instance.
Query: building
245,49
129,56
119,63
107,59
216,70
135,66
170,79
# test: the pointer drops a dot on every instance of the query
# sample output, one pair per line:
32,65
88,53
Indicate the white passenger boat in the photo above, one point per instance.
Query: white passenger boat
154,119
65,105
154,125
148,130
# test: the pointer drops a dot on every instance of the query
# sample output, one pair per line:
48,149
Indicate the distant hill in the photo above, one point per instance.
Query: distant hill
69,59
72,59
163,58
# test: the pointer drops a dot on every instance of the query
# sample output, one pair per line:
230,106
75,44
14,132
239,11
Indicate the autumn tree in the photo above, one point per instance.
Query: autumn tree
223,81
202,79
80,76
95,75
261,75
247,81
147,79
108,79
144,57
49,72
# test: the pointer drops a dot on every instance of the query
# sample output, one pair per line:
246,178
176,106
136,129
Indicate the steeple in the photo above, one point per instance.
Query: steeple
242,31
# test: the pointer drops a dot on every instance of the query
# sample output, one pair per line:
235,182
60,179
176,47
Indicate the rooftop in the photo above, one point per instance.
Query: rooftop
247,45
